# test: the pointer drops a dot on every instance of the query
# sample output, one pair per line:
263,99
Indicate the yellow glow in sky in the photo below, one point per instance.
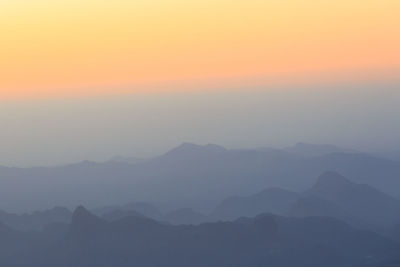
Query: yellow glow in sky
61,47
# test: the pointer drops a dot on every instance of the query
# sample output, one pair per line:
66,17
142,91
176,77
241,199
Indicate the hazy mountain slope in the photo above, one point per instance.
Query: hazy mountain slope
188,176
271,200
380,173
313,150
143,208
36,220
185,216
129,160
362,205
117,214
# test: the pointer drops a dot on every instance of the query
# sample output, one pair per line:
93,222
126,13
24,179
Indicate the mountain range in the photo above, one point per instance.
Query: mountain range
332,195
265,240
335,221
190,175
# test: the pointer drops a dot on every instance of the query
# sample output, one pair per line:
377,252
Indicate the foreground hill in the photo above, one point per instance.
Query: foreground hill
265,240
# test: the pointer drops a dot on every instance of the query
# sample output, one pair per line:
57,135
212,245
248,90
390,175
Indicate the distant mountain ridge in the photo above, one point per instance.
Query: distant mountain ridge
361,202
273,200
36,220
332,195
313,150
129,160
188,176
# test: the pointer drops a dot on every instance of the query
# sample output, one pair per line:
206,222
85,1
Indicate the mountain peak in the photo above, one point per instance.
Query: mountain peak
331,179
83,221
190,149
359,203
79,212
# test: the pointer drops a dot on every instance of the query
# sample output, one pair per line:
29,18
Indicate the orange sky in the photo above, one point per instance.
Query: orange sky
64,47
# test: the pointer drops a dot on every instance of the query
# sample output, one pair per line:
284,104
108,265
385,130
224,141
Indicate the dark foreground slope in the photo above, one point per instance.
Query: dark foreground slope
266,240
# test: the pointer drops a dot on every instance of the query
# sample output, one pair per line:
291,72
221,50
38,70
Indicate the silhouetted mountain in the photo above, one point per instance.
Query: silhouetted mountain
189,176
10,243
273,200
363,168
392,155
396,232
140,208
36,220
362,205
83,222
313,206
189,150
313,150
185,216
146,209
120,214
129,160
266,240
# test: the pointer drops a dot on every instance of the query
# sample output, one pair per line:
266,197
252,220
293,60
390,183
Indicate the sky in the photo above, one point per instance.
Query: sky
86,79
64,130
58,48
